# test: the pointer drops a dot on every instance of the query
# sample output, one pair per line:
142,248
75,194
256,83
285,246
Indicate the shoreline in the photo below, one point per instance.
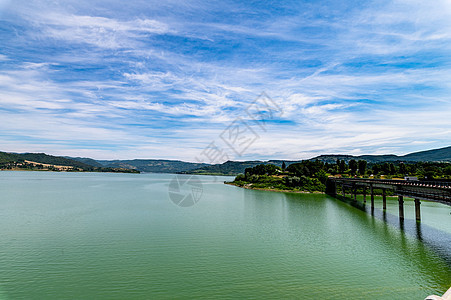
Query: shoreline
275,190
206,174
293,192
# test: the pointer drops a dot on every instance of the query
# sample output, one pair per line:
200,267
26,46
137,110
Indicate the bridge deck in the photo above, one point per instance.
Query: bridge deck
437,191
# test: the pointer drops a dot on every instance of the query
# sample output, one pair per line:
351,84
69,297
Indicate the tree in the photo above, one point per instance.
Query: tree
342,166
386,168
402,169
322,176
262,169
447,170
376,169
240,177
392,169
284,166
362,167
353,166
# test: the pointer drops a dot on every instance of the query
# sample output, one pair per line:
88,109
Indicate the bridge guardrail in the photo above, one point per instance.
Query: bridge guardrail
419,183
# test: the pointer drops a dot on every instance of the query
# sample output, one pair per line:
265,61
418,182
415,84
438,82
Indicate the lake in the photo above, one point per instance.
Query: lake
119,236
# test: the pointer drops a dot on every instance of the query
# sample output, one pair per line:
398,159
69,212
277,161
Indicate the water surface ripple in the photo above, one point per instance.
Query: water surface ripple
118,236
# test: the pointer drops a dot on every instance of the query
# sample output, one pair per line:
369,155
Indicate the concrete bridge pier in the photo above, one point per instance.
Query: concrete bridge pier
401,207
331,187
372,196
417,210
355,193
384,200
364,194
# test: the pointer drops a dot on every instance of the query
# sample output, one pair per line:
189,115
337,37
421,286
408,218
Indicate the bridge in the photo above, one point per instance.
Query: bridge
418,190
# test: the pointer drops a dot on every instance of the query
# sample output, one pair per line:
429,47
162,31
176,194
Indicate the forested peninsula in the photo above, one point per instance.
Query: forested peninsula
311,176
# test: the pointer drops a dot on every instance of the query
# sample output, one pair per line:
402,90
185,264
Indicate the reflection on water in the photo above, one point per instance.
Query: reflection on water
436,239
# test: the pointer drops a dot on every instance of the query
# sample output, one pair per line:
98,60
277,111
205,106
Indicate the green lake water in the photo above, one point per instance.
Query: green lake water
119,236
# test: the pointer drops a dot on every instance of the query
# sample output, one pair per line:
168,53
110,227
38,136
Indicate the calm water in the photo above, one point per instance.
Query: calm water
118,236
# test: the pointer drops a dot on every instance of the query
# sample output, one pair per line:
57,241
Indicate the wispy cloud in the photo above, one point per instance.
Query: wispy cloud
98,31
163,79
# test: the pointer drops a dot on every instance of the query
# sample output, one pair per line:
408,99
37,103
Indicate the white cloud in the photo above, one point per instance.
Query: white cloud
101,32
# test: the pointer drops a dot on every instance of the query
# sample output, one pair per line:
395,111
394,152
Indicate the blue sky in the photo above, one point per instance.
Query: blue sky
164,79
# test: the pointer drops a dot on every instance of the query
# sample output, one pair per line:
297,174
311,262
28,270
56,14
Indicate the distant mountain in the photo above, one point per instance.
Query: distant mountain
53,160
86,160
42,161
153,165
435,155
8,157
332,158
227,168
438,155
235,167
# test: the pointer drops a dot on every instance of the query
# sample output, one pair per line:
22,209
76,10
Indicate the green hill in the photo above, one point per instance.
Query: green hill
16,161
227,168
236,167
54,160
8,157
153,165
87,161
438,155
435,155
